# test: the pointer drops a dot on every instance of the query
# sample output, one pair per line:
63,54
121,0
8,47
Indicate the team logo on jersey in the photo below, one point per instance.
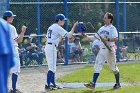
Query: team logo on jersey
104,32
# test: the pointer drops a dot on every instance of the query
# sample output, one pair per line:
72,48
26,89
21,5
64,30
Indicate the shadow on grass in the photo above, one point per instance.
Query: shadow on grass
96,91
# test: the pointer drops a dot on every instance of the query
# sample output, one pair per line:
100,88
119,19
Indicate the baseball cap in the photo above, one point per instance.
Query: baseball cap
8,13
60,17
29,37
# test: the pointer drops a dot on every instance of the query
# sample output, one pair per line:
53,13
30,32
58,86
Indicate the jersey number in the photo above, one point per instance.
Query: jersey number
49,33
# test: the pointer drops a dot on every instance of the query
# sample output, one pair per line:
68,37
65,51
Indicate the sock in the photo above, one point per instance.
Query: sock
49,77
95,77
53,79
117,77
14,81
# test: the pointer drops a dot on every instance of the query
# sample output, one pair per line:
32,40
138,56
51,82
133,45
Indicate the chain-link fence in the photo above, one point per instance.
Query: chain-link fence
3,7
39,15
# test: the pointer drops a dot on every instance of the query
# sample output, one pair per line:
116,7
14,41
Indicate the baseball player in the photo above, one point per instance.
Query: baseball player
15,38
54,35
109,35
6,55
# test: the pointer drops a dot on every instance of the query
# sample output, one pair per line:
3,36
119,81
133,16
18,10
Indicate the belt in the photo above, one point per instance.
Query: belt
51,44
103,48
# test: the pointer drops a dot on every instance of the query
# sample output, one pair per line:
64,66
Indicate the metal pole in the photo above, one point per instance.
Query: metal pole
118,28
7,5
66,28
124,11
38,21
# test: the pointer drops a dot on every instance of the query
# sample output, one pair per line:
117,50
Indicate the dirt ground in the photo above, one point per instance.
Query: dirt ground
32,79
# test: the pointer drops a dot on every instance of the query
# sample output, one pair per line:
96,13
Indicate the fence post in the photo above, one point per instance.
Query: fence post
66,28
124,11
118,28
7,5
38,20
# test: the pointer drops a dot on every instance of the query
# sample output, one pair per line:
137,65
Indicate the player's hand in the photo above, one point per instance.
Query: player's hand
23,29
104,39
75,23
83,35
74,27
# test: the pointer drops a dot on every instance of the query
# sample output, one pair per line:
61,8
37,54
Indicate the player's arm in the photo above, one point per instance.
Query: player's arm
112,39
89,37
72,30
21,35
109,39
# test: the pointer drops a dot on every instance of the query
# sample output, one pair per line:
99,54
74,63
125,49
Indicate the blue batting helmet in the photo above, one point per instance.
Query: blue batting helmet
60,17
81,27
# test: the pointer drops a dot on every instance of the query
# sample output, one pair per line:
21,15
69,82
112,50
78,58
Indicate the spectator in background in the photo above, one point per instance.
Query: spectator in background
32,53
78,49
22,54
61,52
124,52
72,46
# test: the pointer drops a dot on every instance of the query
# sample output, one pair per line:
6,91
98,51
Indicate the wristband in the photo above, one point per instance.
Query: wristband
108,39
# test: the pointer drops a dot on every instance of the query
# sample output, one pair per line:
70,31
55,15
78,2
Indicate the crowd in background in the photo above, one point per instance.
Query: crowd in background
32,53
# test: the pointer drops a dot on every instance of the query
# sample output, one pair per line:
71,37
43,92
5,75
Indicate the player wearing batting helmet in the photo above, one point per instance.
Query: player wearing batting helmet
54,35
6,55
15,38
106,34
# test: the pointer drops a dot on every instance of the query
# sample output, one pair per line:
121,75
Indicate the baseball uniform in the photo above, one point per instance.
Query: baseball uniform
54,35
108,36
6,55
107,31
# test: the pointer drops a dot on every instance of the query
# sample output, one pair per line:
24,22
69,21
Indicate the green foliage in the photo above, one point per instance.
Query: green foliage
43,41
76,12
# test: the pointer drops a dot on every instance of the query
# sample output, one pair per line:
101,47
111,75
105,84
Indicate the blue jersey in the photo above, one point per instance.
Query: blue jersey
6,55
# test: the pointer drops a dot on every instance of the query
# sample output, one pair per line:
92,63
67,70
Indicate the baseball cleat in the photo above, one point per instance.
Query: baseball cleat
116,86
90,85
14,91
56,87
48,88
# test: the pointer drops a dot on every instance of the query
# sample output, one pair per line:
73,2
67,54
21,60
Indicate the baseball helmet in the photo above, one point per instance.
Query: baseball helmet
60,17
8,14
81,27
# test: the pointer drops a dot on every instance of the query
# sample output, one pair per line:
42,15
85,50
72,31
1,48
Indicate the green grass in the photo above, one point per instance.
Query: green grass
128,73
127,89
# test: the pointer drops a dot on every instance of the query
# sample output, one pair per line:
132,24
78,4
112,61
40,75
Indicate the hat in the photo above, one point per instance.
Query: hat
29,37
8,14
60,17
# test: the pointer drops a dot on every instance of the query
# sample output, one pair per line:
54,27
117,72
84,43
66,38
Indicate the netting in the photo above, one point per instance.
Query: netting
2,7
83,10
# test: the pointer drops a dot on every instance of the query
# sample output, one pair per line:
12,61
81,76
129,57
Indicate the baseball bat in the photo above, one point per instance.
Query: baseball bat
100,37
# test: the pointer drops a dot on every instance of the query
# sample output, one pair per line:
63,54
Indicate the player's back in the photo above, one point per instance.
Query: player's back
14,35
